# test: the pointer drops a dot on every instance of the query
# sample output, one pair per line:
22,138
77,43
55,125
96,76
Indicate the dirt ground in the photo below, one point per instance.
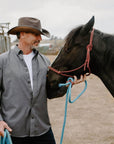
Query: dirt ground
90,120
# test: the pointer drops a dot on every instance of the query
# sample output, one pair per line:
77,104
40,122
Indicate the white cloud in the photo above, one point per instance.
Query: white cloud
60,16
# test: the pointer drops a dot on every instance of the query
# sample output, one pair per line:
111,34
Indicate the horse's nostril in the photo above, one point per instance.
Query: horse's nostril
53,84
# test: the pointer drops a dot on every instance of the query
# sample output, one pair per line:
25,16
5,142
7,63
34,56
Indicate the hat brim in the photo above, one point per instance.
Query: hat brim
18,29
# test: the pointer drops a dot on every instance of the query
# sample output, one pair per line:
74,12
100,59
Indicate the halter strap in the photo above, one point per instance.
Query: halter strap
86,63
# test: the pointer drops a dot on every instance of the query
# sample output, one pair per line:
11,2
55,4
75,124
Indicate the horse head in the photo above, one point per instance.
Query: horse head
74,54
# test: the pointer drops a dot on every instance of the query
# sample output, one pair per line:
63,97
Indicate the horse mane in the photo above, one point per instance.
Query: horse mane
109,52
74,32
108,41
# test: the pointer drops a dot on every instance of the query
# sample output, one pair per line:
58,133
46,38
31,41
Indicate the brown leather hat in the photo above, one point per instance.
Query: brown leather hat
29,24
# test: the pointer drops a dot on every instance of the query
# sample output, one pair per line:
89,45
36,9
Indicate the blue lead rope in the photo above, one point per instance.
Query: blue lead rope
6,139
68,97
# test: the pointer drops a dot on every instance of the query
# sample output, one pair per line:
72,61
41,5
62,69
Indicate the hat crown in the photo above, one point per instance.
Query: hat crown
29,24
29,21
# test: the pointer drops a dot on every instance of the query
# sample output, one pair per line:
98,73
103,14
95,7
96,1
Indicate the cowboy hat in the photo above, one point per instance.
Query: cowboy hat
29,24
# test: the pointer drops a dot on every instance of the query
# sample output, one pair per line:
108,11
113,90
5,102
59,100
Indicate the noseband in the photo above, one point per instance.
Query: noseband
86,63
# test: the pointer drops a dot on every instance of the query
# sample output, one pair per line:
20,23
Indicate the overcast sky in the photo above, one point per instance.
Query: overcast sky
60,16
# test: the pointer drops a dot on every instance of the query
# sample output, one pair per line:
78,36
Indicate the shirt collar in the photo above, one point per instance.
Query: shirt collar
18,51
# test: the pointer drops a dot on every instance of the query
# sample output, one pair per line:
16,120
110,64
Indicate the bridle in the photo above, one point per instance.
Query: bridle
86,63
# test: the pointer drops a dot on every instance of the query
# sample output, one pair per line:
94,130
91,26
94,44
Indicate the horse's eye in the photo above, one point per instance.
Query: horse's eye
68,49
77,44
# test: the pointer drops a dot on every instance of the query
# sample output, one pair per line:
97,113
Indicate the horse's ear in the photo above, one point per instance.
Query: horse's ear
87,27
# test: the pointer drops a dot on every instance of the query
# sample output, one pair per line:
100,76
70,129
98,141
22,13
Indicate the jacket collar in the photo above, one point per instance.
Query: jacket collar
18,51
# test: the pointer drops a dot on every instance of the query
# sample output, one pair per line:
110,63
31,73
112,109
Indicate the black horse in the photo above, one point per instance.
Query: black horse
73,55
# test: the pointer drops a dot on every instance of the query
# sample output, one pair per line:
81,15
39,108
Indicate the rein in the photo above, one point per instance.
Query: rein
6,139
86,63
69,83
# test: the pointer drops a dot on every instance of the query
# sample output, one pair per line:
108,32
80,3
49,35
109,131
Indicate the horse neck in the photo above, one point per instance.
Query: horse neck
102,58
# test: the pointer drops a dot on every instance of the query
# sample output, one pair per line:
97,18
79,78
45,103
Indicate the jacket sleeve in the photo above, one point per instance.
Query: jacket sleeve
1,77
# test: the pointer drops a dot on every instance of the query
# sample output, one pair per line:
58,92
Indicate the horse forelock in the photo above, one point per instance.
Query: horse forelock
71,37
